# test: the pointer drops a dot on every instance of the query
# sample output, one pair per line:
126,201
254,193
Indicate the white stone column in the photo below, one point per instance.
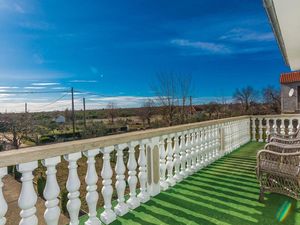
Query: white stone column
193,152
143,195
122,208
182,147
177,175
260,130
170,177
108,216
188,170
51,191
291,128
3,204
133,202
197,146
163,183
73,186
268,128
282,127
275,128
91,180
28,197
253,129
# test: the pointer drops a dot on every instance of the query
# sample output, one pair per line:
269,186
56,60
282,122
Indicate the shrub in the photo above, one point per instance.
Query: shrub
64,201
41,183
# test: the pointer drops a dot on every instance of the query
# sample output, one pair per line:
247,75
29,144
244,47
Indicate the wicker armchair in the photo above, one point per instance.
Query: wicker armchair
274,136
278,170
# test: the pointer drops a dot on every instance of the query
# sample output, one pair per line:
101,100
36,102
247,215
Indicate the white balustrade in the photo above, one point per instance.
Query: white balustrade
3,204
51,191
108,216
133,202
177,176
183,159
28,197
91,180
143,195
177,153
163,183
73,186
170,165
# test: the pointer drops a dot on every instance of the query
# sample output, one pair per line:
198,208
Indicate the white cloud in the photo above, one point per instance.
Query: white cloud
45,84
208,47
83,81
245,35
34,88
11,6
8,87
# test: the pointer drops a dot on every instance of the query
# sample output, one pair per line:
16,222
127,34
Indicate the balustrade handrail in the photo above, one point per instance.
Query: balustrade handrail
277,116
14,157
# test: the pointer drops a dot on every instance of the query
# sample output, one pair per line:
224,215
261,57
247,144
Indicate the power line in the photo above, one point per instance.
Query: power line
51,103
32,92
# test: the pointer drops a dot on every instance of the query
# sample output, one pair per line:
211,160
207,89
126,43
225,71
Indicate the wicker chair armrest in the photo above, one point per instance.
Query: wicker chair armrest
282,148
285,141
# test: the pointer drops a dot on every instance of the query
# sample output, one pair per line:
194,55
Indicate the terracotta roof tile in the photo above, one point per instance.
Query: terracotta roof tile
290,77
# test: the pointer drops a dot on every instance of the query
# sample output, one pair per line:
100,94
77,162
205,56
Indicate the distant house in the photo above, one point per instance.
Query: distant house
290,92
60,119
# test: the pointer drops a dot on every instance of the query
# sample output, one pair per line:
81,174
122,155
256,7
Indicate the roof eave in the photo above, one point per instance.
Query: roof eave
271,12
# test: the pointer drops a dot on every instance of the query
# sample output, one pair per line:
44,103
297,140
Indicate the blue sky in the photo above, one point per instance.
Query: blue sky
116,48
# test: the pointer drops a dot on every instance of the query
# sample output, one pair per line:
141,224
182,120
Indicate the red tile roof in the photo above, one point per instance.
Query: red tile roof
290,77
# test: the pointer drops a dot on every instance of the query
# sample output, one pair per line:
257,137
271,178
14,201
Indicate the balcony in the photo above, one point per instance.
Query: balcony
200,173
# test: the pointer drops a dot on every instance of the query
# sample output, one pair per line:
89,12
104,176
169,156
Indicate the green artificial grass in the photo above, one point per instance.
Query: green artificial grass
225,193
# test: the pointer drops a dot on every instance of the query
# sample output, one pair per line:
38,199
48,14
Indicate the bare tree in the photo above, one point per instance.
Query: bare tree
167,92
271,97
112,111
147,111
16,128
185,88
245,97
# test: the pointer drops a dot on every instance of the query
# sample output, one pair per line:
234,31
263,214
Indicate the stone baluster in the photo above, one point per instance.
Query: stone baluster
122,208
268,128
260,129
3,204
275,128
193,152
91,180
183,156
291,127
73,186
197,146
133,202
51,191
177,175
170,178
28,197
163,183
253,129
188,154
202,146
143,195
282,127
108,216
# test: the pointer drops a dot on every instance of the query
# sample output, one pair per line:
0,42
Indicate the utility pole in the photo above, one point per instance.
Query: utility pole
26,107
84,116
73,112
191,105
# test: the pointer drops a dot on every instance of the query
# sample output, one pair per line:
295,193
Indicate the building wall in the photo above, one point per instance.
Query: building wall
289,104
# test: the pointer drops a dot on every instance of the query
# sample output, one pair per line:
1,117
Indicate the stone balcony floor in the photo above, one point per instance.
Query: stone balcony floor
225,193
